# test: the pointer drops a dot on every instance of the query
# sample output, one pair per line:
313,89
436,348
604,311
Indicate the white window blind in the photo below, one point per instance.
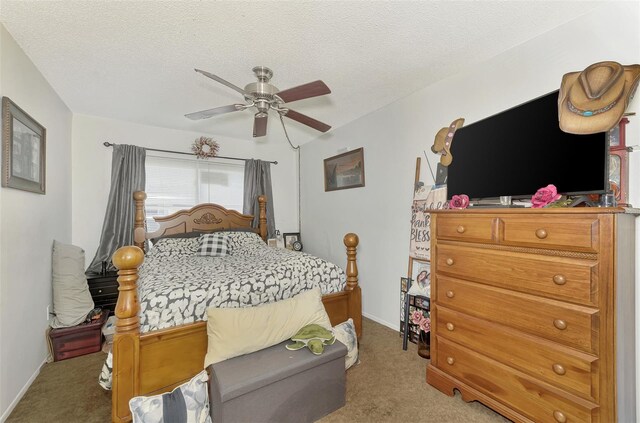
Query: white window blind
174,184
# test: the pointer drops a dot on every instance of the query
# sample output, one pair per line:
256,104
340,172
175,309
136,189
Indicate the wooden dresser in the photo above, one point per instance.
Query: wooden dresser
533,312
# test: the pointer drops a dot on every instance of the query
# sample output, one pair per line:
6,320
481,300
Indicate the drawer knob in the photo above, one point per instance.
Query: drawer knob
99,291
450,326
451,360
560,324
450,294
541,233
449,261
559,369
559,279
460,229
559,416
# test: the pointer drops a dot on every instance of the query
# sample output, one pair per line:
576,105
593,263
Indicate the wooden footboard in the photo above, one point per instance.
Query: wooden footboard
155,362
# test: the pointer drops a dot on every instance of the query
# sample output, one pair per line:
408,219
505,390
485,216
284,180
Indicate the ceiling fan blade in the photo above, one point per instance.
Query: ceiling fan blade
306,120
222,81
204,114
260,125
312,89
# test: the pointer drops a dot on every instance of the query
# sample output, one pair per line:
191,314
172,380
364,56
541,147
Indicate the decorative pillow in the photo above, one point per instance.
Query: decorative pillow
187,403
246,243
175,246
216,245
238,331
71,297
346,333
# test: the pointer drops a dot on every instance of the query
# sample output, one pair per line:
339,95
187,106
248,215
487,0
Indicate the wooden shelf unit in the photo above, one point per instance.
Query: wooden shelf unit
533,312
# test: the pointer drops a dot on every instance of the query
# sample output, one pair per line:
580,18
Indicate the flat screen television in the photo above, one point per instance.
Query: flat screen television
518,151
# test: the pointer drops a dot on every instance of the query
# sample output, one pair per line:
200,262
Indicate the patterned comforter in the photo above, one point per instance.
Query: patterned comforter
176,285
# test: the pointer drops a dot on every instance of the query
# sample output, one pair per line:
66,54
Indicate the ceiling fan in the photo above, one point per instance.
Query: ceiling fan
264,96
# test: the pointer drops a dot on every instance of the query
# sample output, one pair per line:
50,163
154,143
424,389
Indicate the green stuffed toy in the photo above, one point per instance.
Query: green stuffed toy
313,336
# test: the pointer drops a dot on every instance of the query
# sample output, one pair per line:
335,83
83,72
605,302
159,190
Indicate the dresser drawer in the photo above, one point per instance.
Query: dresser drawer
568,279
536,400
575,233
465,228
558,365
568,324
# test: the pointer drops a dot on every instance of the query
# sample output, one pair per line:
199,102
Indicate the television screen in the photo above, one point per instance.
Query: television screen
522,149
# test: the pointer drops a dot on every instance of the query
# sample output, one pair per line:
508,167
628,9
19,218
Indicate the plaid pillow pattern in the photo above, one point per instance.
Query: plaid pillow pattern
215,245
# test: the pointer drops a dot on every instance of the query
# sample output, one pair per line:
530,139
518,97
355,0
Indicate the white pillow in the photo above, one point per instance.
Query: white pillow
71,297
215,245
187,403
346,333
237,331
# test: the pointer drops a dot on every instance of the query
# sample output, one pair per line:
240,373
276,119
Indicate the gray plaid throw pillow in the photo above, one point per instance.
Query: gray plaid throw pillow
216,245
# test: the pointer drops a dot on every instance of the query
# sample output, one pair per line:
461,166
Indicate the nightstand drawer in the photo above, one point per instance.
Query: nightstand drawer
561,278
561,366
104,288
575,233
568,324
465,228
536,400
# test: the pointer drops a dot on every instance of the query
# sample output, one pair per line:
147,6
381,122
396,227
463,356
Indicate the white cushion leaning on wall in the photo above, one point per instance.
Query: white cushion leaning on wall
237,331
346,333
71,297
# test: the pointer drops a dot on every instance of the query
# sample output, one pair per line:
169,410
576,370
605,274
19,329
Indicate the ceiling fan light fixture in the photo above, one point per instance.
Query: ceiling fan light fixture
264,96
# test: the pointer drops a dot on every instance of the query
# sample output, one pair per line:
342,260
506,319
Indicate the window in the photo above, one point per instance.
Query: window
174,184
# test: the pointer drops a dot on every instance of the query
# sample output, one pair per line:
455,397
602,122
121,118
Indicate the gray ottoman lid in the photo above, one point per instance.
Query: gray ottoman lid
249,372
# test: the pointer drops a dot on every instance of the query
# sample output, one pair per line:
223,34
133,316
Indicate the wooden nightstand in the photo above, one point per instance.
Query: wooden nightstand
104,289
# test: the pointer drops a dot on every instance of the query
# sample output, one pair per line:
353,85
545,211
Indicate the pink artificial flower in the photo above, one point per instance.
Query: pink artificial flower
459,202
425,326
544,196
417,317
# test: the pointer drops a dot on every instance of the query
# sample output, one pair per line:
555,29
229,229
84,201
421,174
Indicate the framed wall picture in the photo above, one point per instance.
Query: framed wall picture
290,239
420,273
344,171
23,149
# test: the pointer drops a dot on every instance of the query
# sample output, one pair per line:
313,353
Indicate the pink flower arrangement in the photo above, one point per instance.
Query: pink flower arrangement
424,322
545,196
459,202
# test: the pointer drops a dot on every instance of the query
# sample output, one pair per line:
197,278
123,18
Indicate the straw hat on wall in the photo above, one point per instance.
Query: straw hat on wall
595,99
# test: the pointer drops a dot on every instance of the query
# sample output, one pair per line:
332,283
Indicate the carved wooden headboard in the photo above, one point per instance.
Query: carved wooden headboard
201,218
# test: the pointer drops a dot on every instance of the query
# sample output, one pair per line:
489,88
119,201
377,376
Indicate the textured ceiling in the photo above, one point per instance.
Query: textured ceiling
134,60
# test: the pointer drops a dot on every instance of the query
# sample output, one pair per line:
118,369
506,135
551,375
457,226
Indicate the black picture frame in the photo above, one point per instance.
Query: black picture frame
289,238
344,171
23,150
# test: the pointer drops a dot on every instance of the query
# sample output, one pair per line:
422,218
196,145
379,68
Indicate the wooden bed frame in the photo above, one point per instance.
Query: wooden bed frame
156,362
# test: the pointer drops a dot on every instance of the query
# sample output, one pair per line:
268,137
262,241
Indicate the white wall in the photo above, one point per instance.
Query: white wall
92,169
30,222
395,135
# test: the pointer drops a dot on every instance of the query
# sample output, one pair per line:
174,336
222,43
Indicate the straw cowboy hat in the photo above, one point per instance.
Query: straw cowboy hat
444,139
595,99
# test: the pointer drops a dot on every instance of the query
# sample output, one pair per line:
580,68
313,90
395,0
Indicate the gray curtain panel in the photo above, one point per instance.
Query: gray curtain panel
127,176
257,181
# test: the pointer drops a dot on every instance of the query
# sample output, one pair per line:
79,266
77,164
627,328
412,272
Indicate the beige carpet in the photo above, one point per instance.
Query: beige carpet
387,386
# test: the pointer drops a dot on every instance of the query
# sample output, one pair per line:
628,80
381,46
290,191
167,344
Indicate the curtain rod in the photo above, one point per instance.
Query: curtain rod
110,144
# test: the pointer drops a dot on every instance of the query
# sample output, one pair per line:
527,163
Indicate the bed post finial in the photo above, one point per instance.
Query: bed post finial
262,202
126,341
351,241
139,233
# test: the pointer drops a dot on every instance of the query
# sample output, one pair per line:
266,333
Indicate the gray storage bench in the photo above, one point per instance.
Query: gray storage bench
278,385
